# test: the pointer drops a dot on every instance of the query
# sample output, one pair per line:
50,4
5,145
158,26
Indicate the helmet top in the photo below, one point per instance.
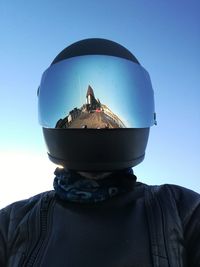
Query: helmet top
95,46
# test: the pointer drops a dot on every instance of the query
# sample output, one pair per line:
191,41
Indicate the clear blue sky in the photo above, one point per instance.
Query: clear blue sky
163,35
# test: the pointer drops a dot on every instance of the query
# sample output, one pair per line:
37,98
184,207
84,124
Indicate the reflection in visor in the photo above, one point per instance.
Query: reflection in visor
96,91
92,114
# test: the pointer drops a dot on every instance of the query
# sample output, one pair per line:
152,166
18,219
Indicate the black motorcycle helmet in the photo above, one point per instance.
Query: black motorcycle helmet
96,105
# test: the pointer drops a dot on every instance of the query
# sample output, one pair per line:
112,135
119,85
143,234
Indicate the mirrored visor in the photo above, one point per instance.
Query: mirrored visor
96,91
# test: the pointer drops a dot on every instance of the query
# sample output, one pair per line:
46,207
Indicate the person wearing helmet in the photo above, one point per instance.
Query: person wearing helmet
96,106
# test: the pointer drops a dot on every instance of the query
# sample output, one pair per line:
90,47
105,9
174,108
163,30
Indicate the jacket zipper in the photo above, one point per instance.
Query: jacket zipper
44,211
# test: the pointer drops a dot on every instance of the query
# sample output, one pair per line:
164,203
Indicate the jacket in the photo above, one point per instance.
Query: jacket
151,226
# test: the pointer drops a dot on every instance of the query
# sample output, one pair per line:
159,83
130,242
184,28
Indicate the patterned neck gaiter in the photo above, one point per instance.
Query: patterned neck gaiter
71,186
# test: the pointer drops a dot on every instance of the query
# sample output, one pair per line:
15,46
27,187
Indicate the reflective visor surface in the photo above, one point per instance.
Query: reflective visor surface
96,91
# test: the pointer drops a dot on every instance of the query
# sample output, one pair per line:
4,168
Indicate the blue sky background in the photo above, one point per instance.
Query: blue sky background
163,35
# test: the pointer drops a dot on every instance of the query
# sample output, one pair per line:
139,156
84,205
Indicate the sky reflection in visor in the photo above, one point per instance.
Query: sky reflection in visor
96,91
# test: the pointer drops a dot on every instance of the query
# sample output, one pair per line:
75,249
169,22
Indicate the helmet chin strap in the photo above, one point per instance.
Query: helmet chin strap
95,175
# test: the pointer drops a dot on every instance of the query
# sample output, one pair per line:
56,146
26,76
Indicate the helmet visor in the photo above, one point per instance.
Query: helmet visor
96,91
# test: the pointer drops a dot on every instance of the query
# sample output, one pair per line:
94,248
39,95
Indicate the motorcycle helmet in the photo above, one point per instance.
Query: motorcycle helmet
96,105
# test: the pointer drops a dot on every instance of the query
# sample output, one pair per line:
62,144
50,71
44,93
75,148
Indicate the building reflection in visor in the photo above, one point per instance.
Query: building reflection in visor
92,114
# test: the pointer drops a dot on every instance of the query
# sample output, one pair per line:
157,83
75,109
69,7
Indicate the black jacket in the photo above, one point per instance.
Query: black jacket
150,226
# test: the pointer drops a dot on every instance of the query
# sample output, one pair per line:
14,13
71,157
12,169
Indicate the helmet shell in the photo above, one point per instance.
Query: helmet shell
96,148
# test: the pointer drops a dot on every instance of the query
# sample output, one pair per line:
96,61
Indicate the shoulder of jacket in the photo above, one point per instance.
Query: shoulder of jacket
14,218
19,209
186,200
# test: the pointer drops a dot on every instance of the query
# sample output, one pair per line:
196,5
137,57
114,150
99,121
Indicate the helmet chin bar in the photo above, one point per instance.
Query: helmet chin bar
96,166
92,150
